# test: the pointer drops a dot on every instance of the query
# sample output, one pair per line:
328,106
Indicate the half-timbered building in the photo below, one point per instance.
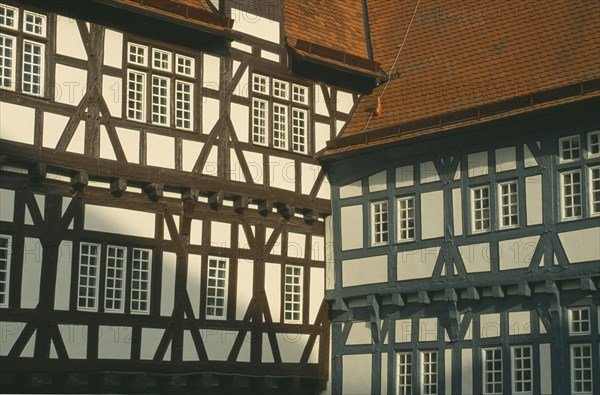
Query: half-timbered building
162,213
466,204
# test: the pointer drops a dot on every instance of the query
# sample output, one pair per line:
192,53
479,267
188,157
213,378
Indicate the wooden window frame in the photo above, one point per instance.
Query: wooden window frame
15,25
157,55
486,371
296,306
43,25
562,150
181,120
383,233
148,282
115,277
400,211
225,288
13,69
515,369
511,204
429,369
97,267
572,195
156,114
404,373
475,221
142,93
593,182
6,270
575,318
573,369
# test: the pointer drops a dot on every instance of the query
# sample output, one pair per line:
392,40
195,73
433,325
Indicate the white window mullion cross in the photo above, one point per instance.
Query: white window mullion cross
293,294
280,122
160,100
481,209
34,23
595,190
216,289
571,194
406,219
9,16
404,373
87,294
7,62
259,122
594,144
33,68
522,370
569,148
5,253
136,87
429,372
581,369
141,264
509,205
492,371
379,223
184,103
299,130
114,292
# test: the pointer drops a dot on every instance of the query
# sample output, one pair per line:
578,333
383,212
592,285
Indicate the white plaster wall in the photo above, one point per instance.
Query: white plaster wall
428,329
478,164
528,159
220,234
370,270
68,38
218,343
7,205
277,246
32,271
210,114
345,102
211,74
70,84
193,281
167,292
63,276
114,342
291,346
243,86
106,149
325,190
150,340
166,232
296,245
405,176
113,48
360,333
65,204
244,355
506,159
77,144
254,25
469,333
318,248
416,264
245,268
75,338
119,221
160,151
256,166
310,172
241,122
112,88
54,125
317,285
581,245
476,257
489,325
517,253
351,190
403,331
320,105
356,374
212,162
40,201
10,332
545,368
329,254
283,173
519,323
273,57
533,200
467,371
384,373
189,348
432,215
130,142
241,47
448,371
351,220
191,151
17,123
273,289
428,173
267,353
378,182
339,125
457,216
196,232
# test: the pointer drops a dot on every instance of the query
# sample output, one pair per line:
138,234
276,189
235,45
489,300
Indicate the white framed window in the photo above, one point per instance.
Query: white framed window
299,130
260,84
185,65
33,68
429,372
136,86
579,321
216,288
595,190
161,60
280,122
379,223
480,209
259,121
184,103
7,62
299,94
569,148
570,187
406,218
404,373
581,369
9,16
34,23
508,196
281,89
593,144
141,264
89,260
292,309
522,370
5,253
137,54
160,100
114,288
492,371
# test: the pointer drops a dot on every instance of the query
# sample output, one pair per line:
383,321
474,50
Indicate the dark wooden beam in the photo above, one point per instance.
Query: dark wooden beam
472,293
450,295
154,191
398,299
240,203
118,186
79,180
37,172
216,200
423,297
587,284
524,289
265,207
287,211
310,217
497,291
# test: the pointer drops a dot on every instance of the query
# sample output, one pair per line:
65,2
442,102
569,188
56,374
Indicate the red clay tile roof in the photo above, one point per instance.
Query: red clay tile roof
461,56
196,12
333,24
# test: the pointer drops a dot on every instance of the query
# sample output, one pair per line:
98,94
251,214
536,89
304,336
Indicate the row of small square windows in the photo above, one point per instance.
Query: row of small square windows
116,270
570,147
33,23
